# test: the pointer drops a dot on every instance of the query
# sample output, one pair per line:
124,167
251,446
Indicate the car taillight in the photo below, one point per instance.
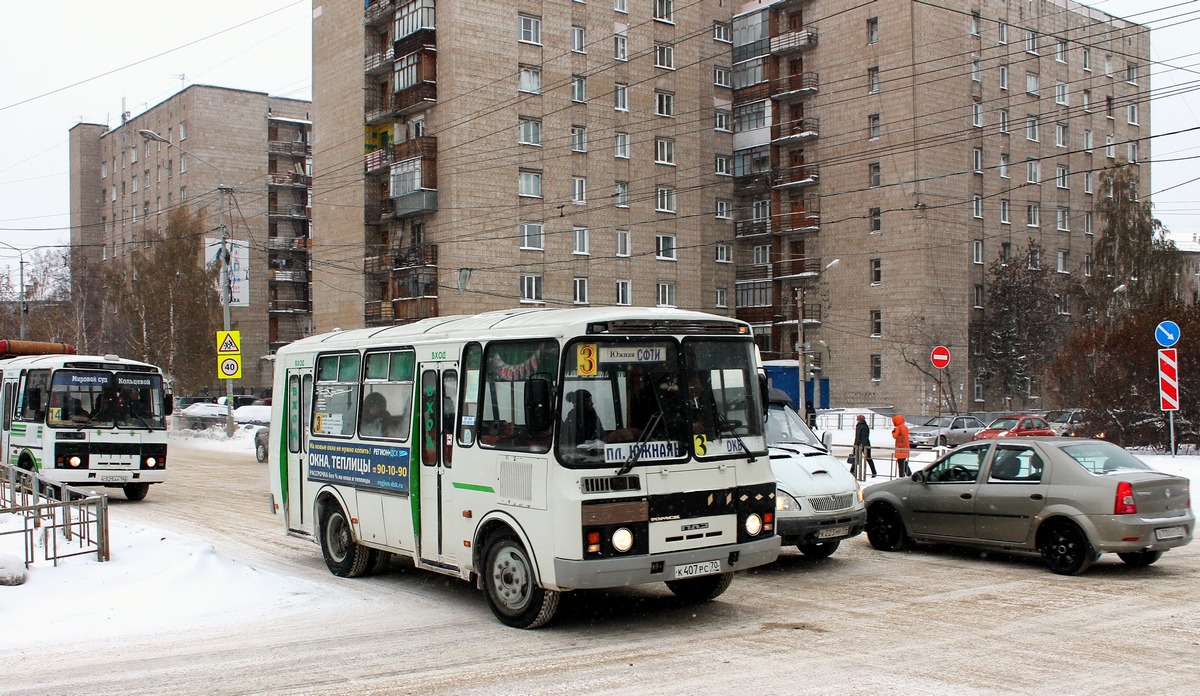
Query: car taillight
1125,504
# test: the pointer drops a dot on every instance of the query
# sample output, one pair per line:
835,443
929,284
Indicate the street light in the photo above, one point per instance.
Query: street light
24,307
227,284
802,348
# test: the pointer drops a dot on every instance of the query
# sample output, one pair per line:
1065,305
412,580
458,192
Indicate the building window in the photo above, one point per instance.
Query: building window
529,183
529,29
1087,59
720,299
977,206
876,368
875,216
1031,128
1004,212
183,160
664,56
876,322
1131,114
1060,94
876,271
722,166
1087,100
1004,77
621,145
531,235
621,194
620,47
578,40
874,130
724,253
1110,147
1032,215
1087,141
724,209
748,73
1033,172
664,103
1131,152
581,290
1060,50
1087,265
530,79
666,294
874,175
1003,120
1003,165
1031,83
977,160
623,293
530,132
977,252
873,80
722,121
1087,182
578,190
762,255
723,32
722,76
977,114
1062,263
578,88
1087,223
622,243
1060,176
1031,42
1005,252
664,199
978,297
976,69
1035,259
664,151
621,96
621,6
872,30
750,117
531,288
664,247
1002,32
1062,219
578,138
1060,135
664,10
1131,73
580,239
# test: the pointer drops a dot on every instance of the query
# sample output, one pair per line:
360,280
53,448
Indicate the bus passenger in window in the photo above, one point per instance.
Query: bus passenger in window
376,421
583,423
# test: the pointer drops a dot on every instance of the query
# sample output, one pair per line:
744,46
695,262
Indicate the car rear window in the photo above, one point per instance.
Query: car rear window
1104,458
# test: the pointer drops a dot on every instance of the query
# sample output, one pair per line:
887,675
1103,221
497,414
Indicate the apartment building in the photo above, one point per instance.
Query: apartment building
239,156
886,153
492,154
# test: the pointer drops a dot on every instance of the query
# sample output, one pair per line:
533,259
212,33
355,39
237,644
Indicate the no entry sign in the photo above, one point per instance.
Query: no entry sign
940,357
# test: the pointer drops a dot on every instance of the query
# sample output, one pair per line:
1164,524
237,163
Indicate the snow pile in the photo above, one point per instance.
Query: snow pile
12,570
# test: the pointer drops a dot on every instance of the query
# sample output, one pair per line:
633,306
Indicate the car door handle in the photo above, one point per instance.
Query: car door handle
1036,496
965,496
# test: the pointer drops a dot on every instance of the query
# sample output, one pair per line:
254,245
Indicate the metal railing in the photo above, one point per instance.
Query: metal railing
67,521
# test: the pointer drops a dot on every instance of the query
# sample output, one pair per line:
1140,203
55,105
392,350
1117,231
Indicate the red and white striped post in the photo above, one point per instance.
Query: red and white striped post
1168,386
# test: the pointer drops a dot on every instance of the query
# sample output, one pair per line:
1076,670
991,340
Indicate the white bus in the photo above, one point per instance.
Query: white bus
533,451
83,420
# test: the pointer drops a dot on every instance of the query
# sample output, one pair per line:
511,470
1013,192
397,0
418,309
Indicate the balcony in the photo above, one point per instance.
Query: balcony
744,274
799,268
798,131
291,179
291,306
289,147
376,313
425,146
290,211
751,228
798,176
288,276
287,243
417,98
804,217
417,255
794,41
378,63
420,89
379,13
420,37
795,87
377,213
377,110
377,160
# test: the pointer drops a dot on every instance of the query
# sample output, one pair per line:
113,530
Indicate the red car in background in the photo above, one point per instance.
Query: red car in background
1019,425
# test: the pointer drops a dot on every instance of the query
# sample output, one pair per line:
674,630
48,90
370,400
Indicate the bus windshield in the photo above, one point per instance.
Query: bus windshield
640,397
99,399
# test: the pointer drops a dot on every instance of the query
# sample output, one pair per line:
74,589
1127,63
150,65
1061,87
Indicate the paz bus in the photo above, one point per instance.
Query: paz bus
83,420
531,451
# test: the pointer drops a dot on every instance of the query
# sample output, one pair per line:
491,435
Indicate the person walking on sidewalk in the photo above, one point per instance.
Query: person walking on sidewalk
862,445
900,433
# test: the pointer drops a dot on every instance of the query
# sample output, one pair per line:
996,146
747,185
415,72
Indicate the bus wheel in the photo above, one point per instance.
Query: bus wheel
701,589
345,557
508,582
136,491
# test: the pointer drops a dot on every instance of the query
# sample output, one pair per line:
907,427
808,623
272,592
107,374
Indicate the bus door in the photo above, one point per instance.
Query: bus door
436,403
6,399
297,415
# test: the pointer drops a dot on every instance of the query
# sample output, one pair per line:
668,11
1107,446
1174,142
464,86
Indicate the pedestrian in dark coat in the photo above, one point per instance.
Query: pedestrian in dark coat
862,444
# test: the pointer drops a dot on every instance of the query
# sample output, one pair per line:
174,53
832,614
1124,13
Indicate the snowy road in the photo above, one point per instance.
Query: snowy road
930,621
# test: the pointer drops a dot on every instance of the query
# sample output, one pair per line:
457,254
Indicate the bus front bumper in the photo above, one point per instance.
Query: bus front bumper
639,570
105,477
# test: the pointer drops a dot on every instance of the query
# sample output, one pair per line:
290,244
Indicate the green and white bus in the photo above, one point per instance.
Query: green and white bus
83,420
532,451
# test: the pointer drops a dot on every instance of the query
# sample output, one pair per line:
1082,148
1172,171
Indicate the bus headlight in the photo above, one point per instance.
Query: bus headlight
151,462
754,524
75,461
622,540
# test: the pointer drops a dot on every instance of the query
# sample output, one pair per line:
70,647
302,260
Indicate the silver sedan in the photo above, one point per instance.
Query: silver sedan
1067,498
941,431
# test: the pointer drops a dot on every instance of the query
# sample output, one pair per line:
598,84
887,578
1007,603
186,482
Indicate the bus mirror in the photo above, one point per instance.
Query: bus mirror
168,403
763,393
537,404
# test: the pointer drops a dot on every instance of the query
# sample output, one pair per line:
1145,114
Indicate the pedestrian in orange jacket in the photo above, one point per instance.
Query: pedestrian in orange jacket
900,433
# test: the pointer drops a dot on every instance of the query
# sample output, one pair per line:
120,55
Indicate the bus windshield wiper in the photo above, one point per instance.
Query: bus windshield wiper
637,446
724,425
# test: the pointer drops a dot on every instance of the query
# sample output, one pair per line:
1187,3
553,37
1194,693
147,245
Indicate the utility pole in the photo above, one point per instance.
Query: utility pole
24,305
226,300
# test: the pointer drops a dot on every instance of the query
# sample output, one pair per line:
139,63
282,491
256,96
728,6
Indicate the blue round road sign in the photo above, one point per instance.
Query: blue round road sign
1167,333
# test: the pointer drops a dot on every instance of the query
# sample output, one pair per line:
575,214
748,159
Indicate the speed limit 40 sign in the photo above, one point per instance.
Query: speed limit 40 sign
229,366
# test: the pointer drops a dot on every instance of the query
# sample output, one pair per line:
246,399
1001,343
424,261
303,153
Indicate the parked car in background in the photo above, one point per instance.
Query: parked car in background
1071,422
818,501
942,431
1021,425
261,437
201,415
182,402
1071,499
239,400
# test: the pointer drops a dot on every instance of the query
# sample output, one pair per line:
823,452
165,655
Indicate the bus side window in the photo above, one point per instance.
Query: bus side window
469,410
33,386
8,404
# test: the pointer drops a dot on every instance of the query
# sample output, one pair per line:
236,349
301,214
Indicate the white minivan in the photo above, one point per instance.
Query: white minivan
819,502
